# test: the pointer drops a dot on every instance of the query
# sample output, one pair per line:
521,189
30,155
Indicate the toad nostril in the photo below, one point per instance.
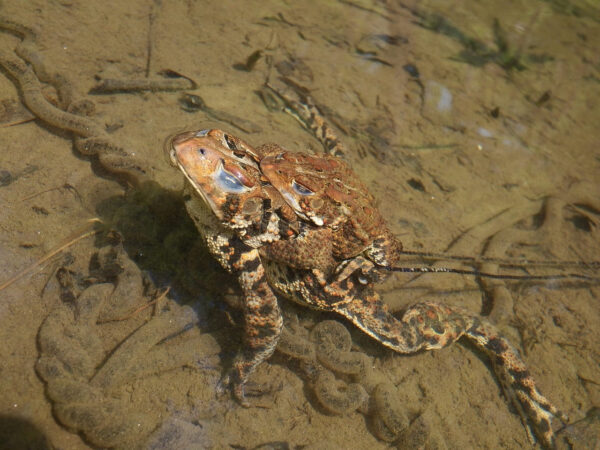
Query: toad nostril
202,151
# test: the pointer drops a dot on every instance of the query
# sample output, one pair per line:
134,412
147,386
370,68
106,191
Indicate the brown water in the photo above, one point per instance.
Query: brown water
495,135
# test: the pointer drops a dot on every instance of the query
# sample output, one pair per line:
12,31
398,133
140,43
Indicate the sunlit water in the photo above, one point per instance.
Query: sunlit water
474,124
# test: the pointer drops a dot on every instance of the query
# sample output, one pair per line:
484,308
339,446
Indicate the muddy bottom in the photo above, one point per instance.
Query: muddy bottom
475,126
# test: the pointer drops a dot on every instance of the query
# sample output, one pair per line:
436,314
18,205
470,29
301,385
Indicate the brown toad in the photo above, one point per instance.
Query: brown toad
274,241
325,191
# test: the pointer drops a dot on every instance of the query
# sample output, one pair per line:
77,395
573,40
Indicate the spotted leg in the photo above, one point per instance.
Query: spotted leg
263,323
428,326
301,106
262,317
535,410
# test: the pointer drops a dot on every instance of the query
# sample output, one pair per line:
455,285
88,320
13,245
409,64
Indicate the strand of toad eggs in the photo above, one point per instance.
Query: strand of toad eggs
90,138
329,351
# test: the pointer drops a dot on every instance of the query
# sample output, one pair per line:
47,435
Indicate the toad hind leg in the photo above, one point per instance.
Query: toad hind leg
428,326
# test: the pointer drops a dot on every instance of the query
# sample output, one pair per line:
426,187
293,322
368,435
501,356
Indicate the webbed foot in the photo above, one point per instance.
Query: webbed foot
232,383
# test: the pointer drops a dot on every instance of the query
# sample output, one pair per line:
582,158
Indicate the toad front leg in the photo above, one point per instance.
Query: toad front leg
262,317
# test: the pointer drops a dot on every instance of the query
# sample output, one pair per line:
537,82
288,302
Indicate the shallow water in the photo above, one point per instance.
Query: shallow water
474,124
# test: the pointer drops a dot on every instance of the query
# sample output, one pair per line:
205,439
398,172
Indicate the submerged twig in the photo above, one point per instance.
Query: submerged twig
115,86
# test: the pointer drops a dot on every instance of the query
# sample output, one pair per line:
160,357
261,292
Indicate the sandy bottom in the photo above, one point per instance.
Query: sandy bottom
476,129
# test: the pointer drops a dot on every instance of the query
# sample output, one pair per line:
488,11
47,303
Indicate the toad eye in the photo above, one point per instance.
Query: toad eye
300,189
228,182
